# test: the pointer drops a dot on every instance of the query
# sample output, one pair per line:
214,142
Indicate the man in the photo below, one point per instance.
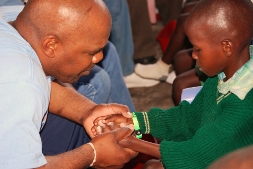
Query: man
63,50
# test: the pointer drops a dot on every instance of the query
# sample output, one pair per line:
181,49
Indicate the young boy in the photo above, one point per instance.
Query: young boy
220,119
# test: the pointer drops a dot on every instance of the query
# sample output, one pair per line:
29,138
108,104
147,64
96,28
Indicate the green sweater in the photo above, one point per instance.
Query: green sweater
195,135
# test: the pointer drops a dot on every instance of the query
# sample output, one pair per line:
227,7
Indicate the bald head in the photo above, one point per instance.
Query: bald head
224,19
64,18
67,35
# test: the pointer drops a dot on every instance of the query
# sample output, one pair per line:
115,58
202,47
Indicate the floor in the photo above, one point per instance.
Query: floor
155,96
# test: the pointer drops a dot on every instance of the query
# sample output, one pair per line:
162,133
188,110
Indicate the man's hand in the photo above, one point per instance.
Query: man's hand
109,153
102,110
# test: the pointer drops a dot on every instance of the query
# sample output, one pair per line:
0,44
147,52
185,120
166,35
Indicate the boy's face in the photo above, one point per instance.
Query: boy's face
207,51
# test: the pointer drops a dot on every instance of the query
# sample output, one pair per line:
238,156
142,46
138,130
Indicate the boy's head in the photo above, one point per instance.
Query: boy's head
219,31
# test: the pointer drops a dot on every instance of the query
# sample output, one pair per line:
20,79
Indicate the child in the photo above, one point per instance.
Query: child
220,119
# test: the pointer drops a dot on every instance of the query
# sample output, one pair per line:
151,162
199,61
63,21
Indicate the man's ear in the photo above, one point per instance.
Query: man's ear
49,45
227,47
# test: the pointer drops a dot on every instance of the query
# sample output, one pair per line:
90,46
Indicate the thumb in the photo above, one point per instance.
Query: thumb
127,114
124,132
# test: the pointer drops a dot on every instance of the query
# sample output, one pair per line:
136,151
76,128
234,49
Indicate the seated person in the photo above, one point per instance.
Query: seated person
219,120
34,48
161,70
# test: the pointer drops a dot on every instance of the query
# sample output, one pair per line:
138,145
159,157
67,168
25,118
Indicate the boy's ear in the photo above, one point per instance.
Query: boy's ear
49,45
227,47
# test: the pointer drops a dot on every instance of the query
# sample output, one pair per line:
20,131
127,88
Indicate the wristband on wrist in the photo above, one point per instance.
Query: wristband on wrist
95,154
136,126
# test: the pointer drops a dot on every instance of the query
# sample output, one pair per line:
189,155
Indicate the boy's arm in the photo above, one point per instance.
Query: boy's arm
179,122
141,146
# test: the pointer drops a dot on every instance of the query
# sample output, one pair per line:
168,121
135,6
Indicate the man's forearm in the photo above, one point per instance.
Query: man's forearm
67,102
81,158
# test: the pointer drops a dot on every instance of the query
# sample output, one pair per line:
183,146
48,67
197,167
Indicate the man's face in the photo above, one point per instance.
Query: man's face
78,55
207,51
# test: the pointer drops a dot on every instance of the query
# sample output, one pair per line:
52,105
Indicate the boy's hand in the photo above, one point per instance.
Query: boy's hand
101,110
108,123
102,128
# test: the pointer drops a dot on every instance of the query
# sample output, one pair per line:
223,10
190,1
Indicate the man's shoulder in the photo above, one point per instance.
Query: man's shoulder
21,66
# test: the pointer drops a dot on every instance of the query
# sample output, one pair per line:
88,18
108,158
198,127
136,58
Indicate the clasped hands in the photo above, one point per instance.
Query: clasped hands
110,135
111,122
104,124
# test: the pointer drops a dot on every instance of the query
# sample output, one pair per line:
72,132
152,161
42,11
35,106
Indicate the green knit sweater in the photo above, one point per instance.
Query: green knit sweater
195,135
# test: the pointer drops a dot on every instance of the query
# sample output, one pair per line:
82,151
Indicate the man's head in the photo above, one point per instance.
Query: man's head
219,31
68,36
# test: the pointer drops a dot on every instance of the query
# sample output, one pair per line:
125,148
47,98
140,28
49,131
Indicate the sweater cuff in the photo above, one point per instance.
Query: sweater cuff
142,118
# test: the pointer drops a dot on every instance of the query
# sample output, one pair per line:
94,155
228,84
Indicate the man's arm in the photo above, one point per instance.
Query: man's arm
65,101
68,103
81,157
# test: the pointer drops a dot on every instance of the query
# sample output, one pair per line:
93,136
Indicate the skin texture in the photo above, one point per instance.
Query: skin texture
178,40
68,37
105,124
239,159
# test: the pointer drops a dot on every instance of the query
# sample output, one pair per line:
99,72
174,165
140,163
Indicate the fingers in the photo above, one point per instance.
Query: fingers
123,132
131,152
106,127
98,119
127,114
118,108
118,118
103,129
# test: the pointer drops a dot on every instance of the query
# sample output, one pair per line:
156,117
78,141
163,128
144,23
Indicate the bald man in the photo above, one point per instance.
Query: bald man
38,45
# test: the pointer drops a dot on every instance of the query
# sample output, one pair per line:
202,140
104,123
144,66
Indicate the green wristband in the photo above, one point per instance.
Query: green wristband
136,126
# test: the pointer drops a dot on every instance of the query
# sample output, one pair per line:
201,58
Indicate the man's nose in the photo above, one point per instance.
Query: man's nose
98,57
